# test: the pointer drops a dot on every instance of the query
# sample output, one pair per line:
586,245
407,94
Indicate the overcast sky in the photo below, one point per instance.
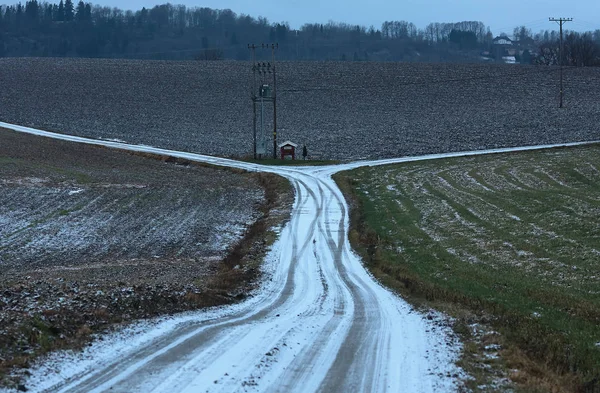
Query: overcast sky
501,16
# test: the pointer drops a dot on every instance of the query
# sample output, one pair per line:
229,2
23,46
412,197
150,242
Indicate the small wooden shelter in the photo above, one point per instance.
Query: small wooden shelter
287,150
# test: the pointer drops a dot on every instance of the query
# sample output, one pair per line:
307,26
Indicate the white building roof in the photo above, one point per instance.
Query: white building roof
288,143
502,41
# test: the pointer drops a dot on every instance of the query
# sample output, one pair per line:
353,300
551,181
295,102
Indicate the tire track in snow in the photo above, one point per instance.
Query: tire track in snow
364,317
302,374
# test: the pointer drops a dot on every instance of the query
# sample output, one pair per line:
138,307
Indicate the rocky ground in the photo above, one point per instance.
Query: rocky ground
340,110
91,237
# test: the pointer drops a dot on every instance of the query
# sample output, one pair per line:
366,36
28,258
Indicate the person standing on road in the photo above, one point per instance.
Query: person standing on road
304,152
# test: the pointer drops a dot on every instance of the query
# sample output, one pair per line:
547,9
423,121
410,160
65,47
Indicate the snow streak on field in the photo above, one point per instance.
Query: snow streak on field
43,225
62,204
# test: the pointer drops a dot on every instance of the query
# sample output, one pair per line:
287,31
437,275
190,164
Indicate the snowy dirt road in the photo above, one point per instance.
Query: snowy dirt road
319,324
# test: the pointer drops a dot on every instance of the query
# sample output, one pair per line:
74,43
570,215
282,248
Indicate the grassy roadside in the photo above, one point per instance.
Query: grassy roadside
241,266
505,241
48,302
299,162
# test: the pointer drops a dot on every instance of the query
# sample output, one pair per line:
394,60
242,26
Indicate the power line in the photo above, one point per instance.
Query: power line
591,27
420,83
594,25
173,51
506,29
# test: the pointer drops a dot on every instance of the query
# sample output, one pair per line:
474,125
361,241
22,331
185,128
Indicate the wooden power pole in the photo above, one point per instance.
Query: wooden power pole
273,47
561,21
261,94
253,96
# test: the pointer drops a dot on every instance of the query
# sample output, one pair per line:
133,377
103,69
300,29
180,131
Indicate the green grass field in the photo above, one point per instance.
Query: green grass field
512,236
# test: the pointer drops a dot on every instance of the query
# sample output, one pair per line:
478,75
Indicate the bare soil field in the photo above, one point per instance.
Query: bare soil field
509,240
90,237
340,110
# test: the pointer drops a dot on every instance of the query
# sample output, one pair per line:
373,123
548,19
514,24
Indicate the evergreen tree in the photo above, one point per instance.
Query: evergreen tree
19,15
88,12
60,12
8,17
48,12
80,13
69,10
32,10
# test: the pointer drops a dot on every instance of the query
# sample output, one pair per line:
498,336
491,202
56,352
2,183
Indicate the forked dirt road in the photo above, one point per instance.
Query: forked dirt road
320,324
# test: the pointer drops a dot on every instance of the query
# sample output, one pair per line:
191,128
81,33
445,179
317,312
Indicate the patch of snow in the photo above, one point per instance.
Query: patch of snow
227,234
509,59
553,178
476,183
492,355
24,181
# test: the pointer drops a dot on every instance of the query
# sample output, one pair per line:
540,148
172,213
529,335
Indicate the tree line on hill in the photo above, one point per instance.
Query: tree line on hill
178,32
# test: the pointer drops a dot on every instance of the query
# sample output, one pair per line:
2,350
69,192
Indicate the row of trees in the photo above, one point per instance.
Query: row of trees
579,49
177,32
523,34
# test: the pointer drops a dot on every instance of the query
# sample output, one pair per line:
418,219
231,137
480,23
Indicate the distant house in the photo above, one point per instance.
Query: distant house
503,47
502,40
510,51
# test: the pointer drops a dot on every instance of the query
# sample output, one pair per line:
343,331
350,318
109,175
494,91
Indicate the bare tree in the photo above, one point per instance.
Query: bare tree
548,53
522,33
580,50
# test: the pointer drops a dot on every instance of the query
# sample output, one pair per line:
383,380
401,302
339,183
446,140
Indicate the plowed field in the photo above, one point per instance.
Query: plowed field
340,110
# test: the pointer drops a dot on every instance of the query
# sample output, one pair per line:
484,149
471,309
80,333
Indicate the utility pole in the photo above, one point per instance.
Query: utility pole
273,47
253,95
266,93
561,21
